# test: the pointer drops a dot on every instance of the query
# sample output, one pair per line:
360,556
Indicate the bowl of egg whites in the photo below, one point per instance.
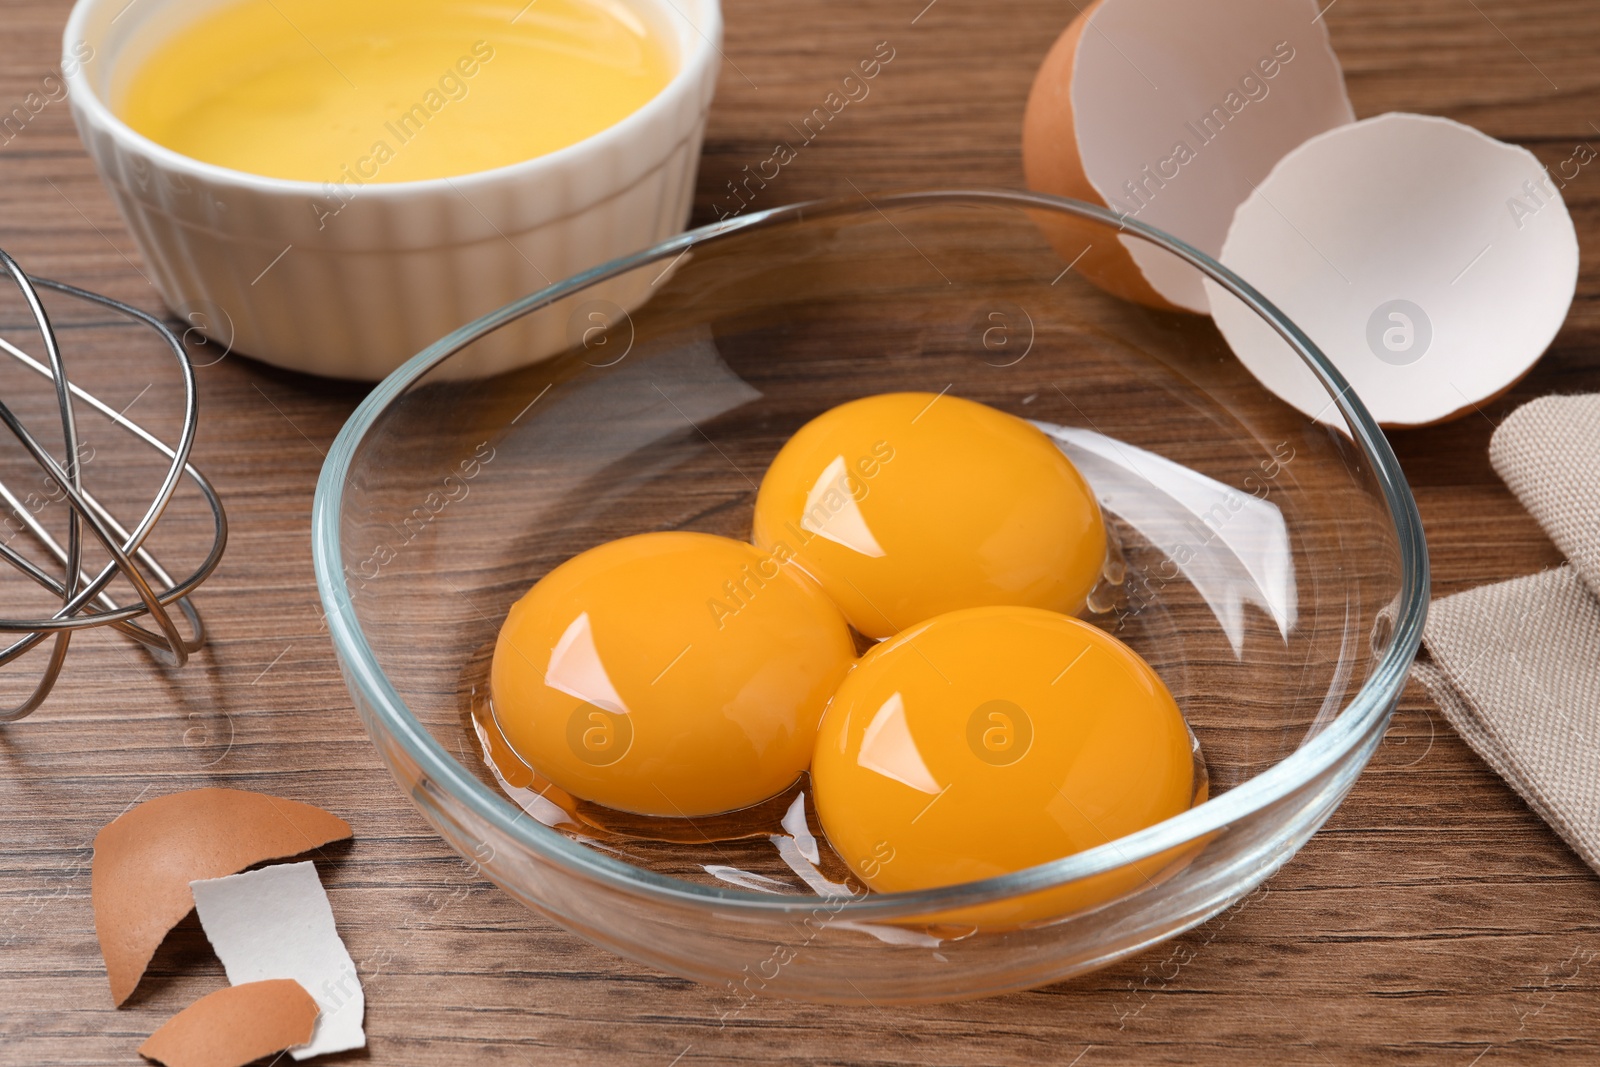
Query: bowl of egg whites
878,607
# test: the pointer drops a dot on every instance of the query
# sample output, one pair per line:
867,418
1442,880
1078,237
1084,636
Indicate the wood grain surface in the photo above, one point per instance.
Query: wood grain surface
1434,920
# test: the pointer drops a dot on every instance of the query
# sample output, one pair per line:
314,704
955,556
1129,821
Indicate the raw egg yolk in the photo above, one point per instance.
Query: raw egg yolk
671,674
909,505
991,740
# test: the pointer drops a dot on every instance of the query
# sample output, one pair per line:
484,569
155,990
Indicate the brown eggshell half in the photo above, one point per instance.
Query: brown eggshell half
1169,112
235,1026
146,858
1051,164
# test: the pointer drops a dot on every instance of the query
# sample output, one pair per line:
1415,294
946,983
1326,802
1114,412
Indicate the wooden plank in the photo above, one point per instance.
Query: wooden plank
1434,920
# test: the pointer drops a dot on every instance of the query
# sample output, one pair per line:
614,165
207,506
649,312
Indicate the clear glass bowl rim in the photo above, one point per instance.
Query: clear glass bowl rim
1338,739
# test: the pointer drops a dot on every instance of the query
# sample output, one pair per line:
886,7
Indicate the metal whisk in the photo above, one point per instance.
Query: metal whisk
85,601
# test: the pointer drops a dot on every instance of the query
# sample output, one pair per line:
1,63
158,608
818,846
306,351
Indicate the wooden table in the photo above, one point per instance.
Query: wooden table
1434,920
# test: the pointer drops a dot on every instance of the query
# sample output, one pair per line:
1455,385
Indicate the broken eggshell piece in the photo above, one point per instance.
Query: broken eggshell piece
235,1026
1432,264
145,859
1169,111
276,922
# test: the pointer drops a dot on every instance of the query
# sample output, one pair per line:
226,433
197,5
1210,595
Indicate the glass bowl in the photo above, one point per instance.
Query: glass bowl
1272,569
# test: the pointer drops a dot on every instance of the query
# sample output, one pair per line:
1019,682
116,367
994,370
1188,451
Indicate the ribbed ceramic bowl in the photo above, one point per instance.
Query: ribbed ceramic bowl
290,273
1276,572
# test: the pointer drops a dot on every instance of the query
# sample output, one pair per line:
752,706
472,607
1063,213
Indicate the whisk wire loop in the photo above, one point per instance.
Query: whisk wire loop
85,601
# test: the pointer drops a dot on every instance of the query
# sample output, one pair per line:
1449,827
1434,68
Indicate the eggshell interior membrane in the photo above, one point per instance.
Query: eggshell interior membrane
145,859
1432,264
276,922
235,1026
1169,112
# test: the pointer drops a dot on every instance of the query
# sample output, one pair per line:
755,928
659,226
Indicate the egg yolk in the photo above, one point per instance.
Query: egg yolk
909,505
671,674
991,740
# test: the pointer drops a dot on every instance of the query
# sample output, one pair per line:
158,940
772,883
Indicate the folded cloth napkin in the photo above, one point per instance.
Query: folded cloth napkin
1516,666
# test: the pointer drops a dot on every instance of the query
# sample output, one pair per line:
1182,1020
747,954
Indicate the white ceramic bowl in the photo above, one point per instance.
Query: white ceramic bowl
263,265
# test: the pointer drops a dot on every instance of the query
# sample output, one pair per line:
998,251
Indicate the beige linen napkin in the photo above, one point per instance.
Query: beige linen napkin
1516,666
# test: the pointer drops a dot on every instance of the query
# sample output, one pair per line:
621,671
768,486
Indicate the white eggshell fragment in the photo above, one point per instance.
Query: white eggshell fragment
1432,264
1171,111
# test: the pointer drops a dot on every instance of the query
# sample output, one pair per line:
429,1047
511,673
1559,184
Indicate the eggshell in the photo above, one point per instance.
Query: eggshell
1165,111
235,1026
146,858
276,922
1430,262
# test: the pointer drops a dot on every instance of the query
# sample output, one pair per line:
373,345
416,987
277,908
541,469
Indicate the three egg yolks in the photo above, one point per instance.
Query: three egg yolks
681,674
